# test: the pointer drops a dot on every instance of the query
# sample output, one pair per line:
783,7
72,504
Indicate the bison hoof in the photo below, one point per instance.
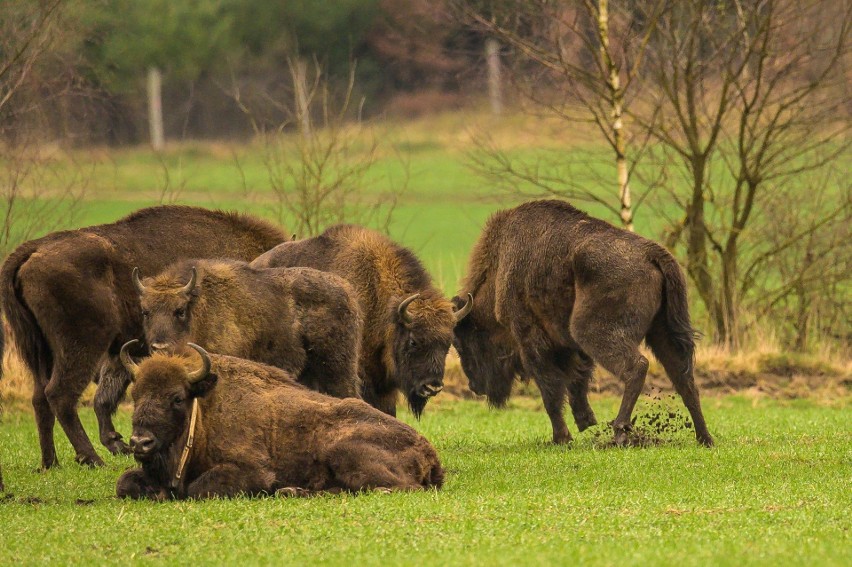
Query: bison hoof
584,424
90,460
706,441
382,490
292,492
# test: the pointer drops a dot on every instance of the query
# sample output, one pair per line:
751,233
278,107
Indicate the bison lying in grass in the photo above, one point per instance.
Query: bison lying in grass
304,321
238,427
556,290
408,323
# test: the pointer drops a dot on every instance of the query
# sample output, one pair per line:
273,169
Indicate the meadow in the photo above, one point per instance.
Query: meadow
775,491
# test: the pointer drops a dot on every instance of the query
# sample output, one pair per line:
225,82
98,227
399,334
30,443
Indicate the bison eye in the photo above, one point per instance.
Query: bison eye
145,313
412,342
180,313
177,400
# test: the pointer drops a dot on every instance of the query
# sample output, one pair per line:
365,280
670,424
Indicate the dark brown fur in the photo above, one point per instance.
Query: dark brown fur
555,290
259,432
71,304
394,355
302,320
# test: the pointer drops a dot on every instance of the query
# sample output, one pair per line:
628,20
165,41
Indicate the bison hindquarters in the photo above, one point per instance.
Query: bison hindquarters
363,465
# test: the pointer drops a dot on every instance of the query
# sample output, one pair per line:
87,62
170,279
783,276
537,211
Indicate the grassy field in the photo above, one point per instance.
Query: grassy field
775,491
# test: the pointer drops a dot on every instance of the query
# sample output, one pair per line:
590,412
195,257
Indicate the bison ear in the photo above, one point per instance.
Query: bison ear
202,387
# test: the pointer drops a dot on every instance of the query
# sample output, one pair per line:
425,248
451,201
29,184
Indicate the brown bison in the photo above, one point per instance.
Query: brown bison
302,320
71,304
555,290
408,324
240,427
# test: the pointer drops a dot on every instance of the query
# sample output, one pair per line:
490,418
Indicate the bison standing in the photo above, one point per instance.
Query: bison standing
71,304
302,320
556,290
239,427
408,324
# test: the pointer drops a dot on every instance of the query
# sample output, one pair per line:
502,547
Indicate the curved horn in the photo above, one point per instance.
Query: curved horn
463,312
202,372
403,308
137,282
191,283
128,363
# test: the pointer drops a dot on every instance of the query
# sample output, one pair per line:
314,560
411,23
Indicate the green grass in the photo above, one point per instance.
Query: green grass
775,491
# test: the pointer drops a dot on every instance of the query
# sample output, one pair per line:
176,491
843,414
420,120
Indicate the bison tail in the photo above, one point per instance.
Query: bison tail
25,331
674,313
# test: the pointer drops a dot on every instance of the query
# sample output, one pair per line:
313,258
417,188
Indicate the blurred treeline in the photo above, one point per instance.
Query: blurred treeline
408,55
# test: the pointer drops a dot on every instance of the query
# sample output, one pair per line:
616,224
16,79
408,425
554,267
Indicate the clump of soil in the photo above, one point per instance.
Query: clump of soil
656,421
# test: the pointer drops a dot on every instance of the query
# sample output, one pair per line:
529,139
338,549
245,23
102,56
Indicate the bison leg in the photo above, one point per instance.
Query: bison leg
578,368
552,387
228,480
631,367
135,484
111,387
678,366
45,419
66,385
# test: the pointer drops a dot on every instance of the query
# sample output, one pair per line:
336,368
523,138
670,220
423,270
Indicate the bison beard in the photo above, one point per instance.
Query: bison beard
259,432
70,305
557,291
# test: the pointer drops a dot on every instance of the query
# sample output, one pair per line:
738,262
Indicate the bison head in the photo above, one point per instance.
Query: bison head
486,357
163,390
422,337
167,303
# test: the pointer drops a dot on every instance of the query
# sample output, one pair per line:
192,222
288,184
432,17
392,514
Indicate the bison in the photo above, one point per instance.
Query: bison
408,324
71,304
302,320
556,291
239,427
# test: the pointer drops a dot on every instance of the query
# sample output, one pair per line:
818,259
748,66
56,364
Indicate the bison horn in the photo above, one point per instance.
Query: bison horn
463,312
202,372
403,308
190,285
128,363
137,282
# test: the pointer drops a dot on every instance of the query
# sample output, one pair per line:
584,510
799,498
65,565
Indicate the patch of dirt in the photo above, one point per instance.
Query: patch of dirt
656,421
771,376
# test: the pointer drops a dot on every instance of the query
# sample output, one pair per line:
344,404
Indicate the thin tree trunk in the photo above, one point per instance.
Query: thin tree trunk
495,72
696,251
617,103
155,108
300,89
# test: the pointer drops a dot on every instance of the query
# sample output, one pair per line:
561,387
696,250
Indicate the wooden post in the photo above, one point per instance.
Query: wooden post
492,58
155,108
300,88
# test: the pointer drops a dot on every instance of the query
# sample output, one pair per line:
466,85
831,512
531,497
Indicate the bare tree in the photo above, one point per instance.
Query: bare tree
39,186
323,175
744,98
585,58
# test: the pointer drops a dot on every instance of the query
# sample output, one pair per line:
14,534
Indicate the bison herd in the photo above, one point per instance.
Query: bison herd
311,342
